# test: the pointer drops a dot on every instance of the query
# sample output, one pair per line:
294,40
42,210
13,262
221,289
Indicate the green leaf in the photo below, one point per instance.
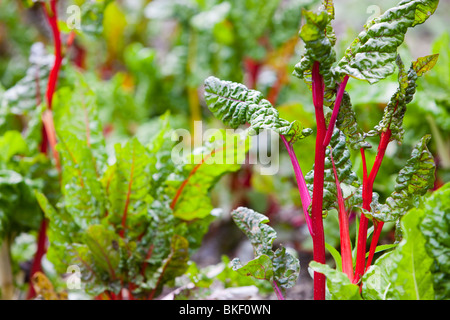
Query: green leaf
260,268
62,232
103,245
346,122
409,266
75,111
338,284
12,143
315,34
434,227
129,187
176,263
383,247
92,14
396,108
286,268
255,227
336,256
279,266
371,55
19,211
413,181
376,282
84,196
190,183
29,91
234,104
424,64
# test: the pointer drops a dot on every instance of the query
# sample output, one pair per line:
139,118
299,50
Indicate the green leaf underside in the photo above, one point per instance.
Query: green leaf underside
371,55
234,104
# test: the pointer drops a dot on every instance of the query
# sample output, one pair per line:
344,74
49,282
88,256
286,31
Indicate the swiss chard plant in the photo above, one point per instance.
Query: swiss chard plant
332,183
130,220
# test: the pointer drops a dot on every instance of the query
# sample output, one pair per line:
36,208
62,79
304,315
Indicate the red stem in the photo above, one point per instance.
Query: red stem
378,226
367,200
317,198
41,249
346,250
53,77
51,85
127,201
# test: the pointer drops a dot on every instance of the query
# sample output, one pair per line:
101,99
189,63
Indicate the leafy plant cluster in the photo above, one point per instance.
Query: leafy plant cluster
87,174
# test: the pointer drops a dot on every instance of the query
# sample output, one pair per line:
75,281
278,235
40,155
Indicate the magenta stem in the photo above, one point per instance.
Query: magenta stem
305,197
337,105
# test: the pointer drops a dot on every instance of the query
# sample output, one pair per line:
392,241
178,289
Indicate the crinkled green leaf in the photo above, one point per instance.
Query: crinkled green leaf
338,284
315,34
286,268
234,104
279,266
434,227
413,181
396,108
346,122
255,227
371,55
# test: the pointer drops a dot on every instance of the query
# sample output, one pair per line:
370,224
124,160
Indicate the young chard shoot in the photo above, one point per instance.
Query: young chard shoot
371,57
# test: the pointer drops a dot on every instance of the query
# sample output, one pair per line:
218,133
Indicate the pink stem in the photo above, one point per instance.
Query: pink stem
337,105
302,188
